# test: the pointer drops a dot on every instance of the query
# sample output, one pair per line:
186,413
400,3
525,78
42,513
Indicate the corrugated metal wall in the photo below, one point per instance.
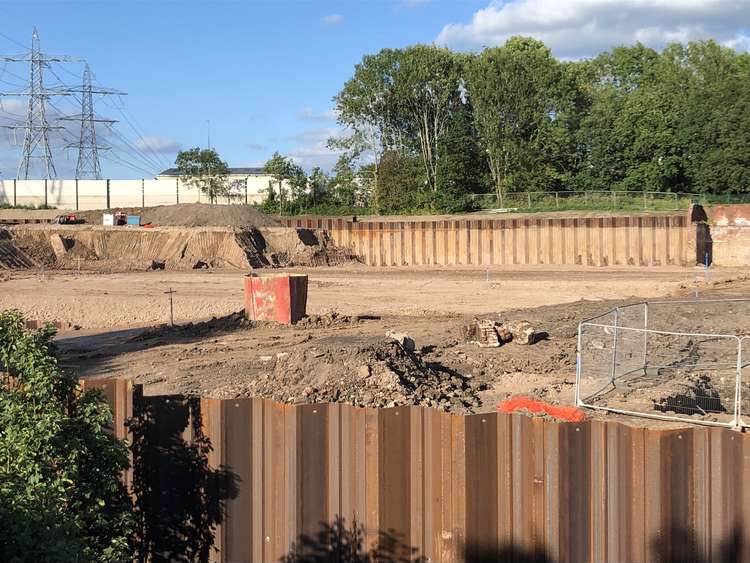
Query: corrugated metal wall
648,240
291,480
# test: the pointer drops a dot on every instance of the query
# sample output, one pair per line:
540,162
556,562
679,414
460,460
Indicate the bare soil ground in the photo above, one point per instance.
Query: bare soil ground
115,300
341,353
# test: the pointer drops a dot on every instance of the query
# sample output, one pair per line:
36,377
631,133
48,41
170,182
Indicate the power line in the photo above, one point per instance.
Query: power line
24,47
88,150
132,122
13,74
135,151
38,133
36,144
115,158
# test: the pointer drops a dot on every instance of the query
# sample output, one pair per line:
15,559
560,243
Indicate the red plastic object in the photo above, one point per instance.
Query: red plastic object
276,297
570,414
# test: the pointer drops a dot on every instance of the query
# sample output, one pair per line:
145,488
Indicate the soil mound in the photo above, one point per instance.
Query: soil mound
217,325
376,374
191,215
237,321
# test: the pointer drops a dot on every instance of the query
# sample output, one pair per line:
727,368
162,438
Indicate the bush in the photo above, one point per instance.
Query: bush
61,497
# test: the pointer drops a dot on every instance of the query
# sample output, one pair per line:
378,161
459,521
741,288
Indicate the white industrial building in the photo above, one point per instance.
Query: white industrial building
254,180
249,185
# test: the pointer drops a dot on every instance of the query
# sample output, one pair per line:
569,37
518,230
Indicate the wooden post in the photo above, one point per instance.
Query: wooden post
143,192
76,194
108,193
45,192
178,190
15,202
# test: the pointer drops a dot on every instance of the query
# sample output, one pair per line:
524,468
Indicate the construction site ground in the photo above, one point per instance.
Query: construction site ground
116,325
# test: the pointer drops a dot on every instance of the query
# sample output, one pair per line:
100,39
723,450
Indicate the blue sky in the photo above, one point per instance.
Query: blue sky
264,73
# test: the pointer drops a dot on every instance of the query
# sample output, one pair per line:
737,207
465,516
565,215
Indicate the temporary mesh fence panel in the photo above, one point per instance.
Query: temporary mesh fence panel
743,389
627,366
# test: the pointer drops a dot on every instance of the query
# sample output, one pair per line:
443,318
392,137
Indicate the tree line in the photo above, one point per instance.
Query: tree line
441,125
427,128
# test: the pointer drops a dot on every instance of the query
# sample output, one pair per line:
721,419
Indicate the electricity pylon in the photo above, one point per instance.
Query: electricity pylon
36,129
88,149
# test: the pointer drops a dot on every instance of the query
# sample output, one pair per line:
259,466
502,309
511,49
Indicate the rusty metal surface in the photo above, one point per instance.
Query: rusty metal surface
294,482
637,240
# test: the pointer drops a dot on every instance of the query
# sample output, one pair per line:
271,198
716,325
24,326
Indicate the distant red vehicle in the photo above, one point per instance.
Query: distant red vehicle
68,219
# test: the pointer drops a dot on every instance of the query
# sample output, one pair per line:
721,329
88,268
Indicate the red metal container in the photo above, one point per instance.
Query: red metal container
276,297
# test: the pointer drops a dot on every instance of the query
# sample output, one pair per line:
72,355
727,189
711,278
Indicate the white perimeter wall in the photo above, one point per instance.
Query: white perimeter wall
92,194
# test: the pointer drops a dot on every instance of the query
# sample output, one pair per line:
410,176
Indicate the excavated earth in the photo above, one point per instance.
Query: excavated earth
349,359
175,248
179,237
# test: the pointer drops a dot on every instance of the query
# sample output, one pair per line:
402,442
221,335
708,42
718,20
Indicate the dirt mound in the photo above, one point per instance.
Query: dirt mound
238,321
217,325
332,319
190,215
378,374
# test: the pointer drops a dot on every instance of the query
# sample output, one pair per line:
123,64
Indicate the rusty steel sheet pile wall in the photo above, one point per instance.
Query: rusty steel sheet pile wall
288,480
643,240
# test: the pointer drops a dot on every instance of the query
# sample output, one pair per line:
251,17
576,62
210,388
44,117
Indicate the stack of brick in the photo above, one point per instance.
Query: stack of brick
487,333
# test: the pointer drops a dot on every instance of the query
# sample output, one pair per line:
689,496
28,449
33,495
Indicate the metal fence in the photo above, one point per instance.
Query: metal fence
636,360
254,480
588,199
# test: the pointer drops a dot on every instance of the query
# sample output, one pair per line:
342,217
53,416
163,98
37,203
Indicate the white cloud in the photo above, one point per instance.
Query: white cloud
580,28
158,144
321,134
13,106
739,42
312,148
309,113
333,19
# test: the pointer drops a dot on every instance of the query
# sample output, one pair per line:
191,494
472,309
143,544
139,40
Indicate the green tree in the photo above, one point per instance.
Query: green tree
519,113
402,100
630,132
277,166
427,88
290,180
401,181
714,132
365,179
61,498
366,106
461,170
203,169
343,184
317,186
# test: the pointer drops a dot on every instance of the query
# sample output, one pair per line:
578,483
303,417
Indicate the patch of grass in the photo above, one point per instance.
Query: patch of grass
536,203
28,207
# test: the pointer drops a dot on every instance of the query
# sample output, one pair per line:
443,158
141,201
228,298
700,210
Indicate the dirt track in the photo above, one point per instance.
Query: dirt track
104,301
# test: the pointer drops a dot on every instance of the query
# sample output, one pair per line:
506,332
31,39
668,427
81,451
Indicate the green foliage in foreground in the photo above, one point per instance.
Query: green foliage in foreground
61,498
